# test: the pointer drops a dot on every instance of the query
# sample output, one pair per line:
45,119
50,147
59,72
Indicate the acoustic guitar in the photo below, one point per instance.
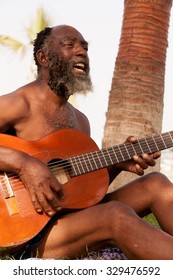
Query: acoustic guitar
80,167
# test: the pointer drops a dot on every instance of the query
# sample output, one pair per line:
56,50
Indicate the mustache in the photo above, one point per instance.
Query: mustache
62,67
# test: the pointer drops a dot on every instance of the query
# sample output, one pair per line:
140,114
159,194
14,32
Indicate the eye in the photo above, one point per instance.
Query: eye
85,48
69,44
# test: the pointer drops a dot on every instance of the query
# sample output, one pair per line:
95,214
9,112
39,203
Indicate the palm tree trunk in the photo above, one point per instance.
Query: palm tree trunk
136,97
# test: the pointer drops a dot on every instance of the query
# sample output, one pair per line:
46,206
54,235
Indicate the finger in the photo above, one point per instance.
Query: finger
156,155
139,170
53,201
149,159
36,204
142,163
131,139
57,188
42,200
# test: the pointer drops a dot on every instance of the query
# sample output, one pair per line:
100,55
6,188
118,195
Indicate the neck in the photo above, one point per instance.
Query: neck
43,84
59,89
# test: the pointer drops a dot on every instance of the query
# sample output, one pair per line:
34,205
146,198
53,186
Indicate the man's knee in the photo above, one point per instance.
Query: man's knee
156,183
117,212
121,219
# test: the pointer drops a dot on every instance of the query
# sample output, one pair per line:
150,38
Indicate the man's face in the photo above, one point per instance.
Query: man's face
68,63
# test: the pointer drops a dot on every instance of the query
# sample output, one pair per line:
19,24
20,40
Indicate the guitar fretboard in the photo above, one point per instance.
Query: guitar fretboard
93,161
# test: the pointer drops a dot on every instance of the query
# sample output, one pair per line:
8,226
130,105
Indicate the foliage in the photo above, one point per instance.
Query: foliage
151,219
37,24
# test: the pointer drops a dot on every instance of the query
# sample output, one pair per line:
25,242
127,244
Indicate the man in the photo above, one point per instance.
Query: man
40,108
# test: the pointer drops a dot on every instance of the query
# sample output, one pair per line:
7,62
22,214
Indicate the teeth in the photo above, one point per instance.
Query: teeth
80,65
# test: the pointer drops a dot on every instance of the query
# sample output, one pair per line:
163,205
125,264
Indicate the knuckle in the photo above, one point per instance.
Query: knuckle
50,197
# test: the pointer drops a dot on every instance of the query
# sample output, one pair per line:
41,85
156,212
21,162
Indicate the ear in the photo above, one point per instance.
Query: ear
42,58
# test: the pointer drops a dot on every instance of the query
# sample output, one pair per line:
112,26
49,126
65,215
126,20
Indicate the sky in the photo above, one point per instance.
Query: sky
100,23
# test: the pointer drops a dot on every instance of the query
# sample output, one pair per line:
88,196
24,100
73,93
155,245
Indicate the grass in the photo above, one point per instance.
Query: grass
152,220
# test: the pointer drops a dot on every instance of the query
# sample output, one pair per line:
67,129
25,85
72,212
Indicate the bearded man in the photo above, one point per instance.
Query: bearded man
40,108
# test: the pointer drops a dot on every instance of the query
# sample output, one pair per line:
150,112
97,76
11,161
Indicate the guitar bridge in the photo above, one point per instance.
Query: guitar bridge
8,195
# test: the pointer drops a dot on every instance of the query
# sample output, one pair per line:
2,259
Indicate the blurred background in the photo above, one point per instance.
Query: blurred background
100,23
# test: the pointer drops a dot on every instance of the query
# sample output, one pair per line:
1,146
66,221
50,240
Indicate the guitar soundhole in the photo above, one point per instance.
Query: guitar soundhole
61,168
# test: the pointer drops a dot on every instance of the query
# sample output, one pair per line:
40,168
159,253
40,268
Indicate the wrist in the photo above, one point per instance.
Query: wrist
114,171
11,160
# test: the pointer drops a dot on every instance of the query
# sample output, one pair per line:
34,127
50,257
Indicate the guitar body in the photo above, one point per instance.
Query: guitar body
18,220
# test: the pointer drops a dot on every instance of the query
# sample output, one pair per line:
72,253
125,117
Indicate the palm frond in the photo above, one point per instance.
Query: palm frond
12,43
37,24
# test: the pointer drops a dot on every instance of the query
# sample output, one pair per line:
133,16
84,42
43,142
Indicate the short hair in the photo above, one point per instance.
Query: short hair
39,43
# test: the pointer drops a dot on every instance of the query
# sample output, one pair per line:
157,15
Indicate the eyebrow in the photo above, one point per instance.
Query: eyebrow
83,42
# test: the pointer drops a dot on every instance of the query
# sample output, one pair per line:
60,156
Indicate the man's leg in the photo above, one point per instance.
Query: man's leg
153,192
116,223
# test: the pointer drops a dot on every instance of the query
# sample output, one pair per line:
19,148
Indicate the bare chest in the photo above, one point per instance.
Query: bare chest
45,121
59,120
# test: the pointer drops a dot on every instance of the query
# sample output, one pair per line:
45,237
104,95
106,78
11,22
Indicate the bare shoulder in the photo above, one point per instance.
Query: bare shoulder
82,120
13,106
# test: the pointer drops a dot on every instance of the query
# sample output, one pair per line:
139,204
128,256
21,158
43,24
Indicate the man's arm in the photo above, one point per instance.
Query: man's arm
44,189
36,177
13,107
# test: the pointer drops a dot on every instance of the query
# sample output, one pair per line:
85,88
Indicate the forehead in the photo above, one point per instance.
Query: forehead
62,33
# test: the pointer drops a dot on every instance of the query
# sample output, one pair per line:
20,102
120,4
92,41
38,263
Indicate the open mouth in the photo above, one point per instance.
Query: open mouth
80,68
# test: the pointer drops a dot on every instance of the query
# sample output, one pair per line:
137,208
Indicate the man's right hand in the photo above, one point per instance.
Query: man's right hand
44,189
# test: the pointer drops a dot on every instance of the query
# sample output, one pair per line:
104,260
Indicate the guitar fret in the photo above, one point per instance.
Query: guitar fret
113,155
87,162
99,158
80,166
108,156
121,153
118,154
155,143
75,166
140,146
128,155
171,135
124,152
94,161
137,148
105,157
161,145
72,169
168,140
148,146
90,167
152,144
84,164
144,146
132,149
163,141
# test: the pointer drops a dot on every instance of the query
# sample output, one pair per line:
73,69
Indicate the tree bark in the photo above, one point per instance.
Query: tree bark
135,104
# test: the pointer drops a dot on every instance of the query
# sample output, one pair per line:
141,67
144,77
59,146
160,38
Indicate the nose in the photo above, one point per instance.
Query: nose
80,50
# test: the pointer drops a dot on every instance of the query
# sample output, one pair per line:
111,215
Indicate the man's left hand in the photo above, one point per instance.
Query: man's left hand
139,163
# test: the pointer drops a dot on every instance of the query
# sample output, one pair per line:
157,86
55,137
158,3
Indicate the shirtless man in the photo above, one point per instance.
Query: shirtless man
41,107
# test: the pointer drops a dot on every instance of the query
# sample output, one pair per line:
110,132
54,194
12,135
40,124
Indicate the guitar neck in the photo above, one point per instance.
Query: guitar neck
108,156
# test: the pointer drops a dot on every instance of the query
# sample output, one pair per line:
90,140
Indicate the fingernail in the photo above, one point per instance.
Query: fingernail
50,213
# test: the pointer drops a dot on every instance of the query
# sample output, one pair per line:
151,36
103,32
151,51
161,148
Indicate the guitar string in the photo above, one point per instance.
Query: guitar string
64,163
